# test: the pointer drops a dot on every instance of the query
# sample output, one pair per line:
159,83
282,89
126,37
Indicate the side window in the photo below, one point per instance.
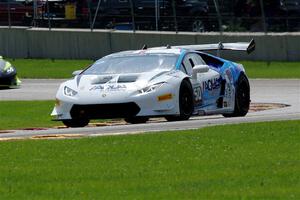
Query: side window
198,60
189,61
211,61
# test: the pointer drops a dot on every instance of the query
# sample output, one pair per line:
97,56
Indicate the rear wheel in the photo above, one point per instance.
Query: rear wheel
242,98
186,103
76,122
136,120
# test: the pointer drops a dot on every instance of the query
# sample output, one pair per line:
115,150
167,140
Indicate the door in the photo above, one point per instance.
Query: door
207,86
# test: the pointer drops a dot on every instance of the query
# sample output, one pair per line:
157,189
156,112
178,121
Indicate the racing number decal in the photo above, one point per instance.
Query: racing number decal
197,95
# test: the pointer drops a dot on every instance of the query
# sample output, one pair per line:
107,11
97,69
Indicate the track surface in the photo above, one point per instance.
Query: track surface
32,89
262,91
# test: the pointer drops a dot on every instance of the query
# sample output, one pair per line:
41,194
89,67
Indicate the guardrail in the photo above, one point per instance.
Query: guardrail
18,42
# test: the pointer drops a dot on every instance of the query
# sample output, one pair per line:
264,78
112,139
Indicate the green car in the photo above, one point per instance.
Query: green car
8,74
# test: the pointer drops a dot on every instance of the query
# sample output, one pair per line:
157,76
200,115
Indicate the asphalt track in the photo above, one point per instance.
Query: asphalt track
262,91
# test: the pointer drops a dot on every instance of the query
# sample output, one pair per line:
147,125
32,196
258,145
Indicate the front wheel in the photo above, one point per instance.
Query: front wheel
186,103
242,98
76,122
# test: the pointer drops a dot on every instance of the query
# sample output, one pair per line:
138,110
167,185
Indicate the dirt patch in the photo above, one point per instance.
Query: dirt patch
56,136
1,132
34,129
256,107
45,137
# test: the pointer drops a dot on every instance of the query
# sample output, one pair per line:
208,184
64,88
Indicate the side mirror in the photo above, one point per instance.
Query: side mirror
199,69
77,72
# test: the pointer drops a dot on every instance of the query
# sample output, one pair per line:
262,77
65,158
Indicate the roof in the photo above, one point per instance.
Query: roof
159,50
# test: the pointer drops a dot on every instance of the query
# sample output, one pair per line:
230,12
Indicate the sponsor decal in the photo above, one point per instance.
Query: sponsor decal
97,87
116,87
212,84
229,75
165,97
228,91
112,87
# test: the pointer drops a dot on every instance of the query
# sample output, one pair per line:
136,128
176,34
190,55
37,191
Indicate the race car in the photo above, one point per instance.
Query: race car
8,74
172,82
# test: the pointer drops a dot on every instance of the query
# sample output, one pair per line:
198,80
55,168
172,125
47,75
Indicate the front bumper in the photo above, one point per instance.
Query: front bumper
7,81
158,103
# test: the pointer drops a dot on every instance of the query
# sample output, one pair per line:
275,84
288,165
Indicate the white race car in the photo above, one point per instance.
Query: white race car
172,82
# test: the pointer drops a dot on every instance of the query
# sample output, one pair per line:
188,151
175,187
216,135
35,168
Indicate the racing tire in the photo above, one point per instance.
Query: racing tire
75,123
186,103
136,120
242,98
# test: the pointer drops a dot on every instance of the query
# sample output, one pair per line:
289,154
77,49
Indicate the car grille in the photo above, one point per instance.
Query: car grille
105,111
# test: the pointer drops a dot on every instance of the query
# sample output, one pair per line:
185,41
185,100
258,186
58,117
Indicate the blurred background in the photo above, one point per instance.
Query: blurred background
160,15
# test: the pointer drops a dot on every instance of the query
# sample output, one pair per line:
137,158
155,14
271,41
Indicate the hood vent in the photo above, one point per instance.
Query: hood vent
127,79
114,79
101,80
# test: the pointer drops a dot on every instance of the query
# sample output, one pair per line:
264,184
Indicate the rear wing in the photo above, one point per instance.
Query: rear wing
249,47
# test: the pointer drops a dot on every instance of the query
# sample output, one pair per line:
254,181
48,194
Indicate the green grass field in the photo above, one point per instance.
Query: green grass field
46,68
26,114
247,161
42,68
272,70
29,114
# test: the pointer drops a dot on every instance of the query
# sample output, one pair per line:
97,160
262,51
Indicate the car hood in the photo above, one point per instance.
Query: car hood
116,82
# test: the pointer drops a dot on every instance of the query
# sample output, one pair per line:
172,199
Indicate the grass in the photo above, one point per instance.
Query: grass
247,161
46,68
29,114
272,70
42,68
26,114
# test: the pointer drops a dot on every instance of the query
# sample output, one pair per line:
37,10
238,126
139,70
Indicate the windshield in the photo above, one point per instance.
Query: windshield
133,64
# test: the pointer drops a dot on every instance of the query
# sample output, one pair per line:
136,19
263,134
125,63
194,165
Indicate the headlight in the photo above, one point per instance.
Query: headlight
151,88
69,92
8,68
